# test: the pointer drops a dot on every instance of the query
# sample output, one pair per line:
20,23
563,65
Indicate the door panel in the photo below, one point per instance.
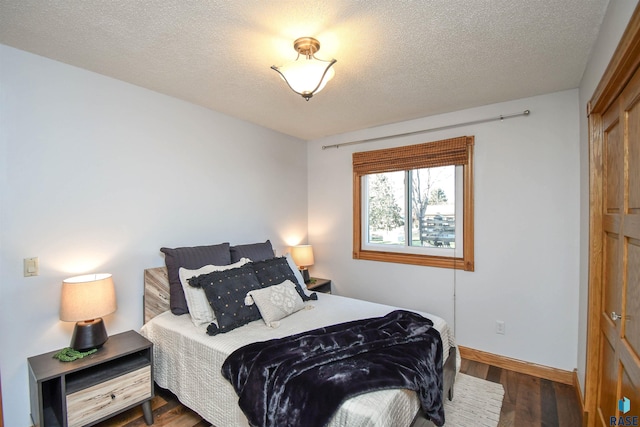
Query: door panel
614,158
608,381
622,283
611,275
632,306
630,390
619,375
634,161
628,348
612,296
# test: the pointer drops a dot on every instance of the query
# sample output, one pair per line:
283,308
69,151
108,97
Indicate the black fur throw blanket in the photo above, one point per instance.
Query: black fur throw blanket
301,380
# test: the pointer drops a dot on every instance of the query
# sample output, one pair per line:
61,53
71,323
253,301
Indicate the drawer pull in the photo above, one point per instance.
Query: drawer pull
113,396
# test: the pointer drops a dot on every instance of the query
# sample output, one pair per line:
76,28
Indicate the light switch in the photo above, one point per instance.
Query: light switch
31,267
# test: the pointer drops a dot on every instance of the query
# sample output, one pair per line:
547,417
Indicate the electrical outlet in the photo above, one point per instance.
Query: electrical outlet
500,328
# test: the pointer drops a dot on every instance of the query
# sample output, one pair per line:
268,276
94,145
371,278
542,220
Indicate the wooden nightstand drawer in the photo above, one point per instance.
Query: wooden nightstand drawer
102,399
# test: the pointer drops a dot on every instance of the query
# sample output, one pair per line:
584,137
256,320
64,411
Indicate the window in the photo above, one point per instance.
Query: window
414,204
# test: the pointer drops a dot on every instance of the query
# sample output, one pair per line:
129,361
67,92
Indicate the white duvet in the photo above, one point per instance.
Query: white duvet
187,361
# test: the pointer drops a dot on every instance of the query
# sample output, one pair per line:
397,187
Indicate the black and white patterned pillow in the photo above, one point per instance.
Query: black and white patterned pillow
276,302
275,271
226,291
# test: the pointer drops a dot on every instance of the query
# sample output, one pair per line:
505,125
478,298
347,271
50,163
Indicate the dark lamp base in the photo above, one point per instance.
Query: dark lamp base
305,275
89,334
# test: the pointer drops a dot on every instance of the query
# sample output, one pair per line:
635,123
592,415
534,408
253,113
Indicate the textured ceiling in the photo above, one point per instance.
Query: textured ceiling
397,60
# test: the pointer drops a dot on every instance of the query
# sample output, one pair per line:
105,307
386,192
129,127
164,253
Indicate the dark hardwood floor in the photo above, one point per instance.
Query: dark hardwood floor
528,401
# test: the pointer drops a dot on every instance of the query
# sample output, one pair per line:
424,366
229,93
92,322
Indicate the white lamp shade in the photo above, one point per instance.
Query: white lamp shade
303,75
302,255
87,297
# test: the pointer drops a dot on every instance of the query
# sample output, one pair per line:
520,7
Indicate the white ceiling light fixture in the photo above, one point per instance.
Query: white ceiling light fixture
307,75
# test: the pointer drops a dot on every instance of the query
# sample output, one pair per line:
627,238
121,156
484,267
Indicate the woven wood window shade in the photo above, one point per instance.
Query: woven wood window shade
452,151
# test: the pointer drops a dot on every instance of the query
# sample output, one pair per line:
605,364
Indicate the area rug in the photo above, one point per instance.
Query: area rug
476,403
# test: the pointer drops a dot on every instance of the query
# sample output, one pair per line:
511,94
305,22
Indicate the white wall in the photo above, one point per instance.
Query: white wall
96,175
613,25
526,230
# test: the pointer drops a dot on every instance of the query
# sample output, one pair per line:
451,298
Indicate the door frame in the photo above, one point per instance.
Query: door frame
624,63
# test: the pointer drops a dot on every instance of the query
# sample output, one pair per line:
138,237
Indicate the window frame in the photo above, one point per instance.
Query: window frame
453,151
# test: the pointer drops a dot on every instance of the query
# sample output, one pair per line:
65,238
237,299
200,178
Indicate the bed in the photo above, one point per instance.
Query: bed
188,362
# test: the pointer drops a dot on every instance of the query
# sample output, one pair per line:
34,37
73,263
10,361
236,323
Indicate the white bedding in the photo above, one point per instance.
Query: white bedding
187,361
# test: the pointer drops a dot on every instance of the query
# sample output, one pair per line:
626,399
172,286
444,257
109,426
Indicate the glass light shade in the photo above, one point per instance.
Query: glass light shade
302,255
307,76
87,297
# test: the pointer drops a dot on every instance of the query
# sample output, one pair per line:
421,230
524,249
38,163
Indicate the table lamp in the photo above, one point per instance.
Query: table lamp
85,299
303,257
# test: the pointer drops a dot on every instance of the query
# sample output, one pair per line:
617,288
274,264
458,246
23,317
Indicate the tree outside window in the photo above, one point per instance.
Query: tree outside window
384,212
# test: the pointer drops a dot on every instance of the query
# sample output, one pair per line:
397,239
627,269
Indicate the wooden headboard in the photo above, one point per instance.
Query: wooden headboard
156,292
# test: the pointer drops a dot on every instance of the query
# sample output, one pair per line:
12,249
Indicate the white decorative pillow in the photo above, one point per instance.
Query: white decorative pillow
276,302
296,271
199,308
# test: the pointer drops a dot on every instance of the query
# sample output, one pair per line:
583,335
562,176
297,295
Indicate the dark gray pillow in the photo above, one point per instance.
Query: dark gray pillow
275,271
191,258
253,251
226,291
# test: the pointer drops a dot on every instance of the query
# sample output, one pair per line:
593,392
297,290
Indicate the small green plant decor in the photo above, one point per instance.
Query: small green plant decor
68,354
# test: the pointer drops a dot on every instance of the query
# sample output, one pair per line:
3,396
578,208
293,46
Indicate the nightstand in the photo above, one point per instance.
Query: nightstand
319,285
82,392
